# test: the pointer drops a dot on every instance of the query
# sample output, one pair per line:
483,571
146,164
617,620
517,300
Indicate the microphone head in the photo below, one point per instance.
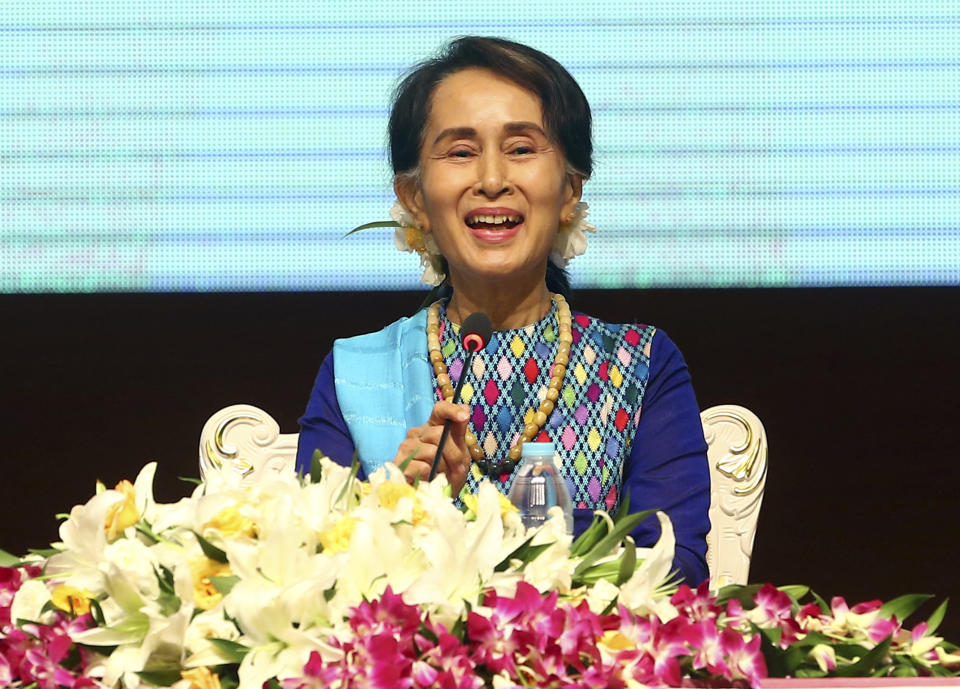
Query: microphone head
475,331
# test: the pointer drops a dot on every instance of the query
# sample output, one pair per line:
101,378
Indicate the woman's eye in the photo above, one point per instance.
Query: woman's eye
522,150
460,153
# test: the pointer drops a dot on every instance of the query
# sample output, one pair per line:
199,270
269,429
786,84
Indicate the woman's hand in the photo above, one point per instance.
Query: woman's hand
421,444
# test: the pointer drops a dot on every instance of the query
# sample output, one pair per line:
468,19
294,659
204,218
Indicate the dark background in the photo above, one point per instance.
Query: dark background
857,389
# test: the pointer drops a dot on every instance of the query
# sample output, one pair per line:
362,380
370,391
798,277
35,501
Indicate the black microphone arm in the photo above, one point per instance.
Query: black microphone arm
475,332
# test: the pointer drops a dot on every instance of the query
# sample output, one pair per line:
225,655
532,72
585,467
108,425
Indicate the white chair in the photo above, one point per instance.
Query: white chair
737,453
248,440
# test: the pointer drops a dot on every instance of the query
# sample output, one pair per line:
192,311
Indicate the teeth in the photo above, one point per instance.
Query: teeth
494,219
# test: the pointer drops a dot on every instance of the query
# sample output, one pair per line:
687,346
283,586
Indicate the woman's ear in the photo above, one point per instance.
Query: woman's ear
572,193
411,197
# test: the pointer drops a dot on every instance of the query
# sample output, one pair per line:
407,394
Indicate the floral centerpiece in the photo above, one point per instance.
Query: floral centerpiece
338,582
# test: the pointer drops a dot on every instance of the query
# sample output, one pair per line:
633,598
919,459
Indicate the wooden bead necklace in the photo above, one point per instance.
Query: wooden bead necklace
530,430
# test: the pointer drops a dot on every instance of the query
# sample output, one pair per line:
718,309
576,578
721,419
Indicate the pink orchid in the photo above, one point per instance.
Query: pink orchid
455,668
775,609
704,639
696,605
316,675
743,657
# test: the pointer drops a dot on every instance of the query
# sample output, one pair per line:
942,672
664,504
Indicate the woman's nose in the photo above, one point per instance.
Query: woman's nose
492,175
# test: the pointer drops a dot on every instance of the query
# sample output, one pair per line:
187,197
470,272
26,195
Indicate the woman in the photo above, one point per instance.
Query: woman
490,146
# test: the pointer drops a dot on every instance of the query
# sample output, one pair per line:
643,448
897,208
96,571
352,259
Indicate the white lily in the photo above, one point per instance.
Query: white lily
641,592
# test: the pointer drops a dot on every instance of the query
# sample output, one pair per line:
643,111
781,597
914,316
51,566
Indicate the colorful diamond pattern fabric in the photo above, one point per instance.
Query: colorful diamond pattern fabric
599,406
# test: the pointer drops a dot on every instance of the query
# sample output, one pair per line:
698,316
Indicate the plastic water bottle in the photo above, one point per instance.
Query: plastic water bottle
539,486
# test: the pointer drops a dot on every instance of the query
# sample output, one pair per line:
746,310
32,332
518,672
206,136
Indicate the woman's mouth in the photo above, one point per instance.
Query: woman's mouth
494,227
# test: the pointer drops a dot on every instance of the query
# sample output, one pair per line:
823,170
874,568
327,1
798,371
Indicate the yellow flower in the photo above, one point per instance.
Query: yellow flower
389,494
336,539
506,507
201,678
230,523
414,238
205,594
616,641
71,599
122,514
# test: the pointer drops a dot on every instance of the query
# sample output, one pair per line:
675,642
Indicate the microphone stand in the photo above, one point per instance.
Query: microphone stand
447,424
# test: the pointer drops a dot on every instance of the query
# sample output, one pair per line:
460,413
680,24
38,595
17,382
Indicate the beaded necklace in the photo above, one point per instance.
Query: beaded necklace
530,430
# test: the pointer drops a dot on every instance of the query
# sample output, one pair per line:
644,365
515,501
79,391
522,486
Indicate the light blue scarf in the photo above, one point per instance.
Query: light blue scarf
384,385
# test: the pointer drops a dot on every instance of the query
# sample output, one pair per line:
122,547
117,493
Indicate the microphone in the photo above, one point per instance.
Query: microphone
475,332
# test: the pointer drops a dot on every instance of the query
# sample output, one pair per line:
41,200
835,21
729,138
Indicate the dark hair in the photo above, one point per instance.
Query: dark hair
566,112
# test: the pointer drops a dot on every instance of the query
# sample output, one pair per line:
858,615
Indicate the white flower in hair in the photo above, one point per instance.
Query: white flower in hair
409,237
571,236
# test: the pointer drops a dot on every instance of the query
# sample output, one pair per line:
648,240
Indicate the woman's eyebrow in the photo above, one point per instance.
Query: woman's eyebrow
456,133
471,133
523,127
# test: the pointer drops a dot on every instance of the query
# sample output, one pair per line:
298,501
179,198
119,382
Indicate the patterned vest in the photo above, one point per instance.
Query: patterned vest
595,418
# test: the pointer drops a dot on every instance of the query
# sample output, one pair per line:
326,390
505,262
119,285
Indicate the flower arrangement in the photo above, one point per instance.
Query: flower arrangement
289,583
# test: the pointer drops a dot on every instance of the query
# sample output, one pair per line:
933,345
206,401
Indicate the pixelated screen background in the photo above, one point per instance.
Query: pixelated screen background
229,146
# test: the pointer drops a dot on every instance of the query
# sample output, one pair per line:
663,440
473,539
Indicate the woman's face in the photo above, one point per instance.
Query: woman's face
493,186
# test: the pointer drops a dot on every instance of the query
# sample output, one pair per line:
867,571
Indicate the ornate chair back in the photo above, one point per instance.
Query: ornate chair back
737,453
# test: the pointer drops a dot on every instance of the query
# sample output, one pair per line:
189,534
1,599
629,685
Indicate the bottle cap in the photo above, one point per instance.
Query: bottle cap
538,450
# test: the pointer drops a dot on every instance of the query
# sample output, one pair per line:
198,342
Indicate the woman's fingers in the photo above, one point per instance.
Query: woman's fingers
442,411
421,443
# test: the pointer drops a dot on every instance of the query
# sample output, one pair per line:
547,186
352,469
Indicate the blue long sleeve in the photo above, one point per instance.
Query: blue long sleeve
667,467
322,426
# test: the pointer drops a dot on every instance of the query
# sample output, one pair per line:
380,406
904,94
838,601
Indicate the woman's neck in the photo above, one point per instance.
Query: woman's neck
509,306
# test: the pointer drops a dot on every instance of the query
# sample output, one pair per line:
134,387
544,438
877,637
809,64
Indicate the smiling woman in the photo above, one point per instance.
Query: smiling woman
491,145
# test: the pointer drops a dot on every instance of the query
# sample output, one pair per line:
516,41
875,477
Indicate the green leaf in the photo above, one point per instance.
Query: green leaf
740,592
795,591
793,658
812,639
904,606
8,560
905,670
611,540
316,469
628,563
937,617
354,468
524,552
224,584
605,570
210,550
774,634
169,603
406,462
97,612
824,608
191,479
773,656
43,552
145,529
231,649
809,672
165,579
868,663
371,225
590,537
161,678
